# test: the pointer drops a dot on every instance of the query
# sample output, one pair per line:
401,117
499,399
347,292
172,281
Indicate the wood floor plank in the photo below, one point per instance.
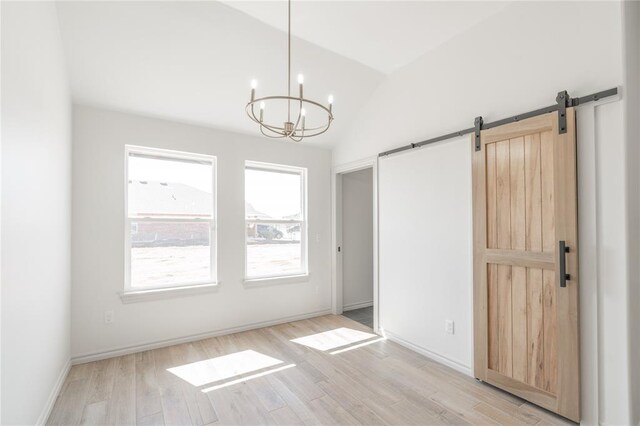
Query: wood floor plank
388,413
95,413
285,417
175,410
351,403
122,407
198,404
147,391
70,404
101,382
328,411
380,383
152,420
505,418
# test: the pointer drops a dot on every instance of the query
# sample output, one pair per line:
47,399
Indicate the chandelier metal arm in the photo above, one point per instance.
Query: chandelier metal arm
308,132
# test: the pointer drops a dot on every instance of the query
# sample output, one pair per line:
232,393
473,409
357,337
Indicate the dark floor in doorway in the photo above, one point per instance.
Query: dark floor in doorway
362,315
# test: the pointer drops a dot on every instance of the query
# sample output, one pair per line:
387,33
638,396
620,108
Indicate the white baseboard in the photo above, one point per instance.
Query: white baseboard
44,416
456,365
110,353
358,305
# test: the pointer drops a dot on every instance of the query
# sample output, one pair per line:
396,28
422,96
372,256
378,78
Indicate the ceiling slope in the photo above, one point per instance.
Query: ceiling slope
193,62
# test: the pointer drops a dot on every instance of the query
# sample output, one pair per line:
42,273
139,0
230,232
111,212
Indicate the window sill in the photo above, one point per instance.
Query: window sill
291,279
166,293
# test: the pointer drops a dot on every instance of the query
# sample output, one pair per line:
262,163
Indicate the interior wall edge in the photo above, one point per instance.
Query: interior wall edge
131,349
631,77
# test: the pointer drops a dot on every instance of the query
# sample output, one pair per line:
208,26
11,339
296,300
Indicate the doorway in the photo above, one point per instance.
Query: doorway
355,280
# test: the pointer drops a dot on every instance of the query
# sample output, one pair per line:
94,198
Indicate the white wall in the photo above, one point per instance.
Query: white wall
508,64
425,250
632,116
511,63
36,208
98,235
357,238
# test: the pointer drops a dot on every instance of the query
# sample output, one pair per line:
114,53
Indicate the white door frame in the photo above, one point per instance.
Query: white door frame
336,231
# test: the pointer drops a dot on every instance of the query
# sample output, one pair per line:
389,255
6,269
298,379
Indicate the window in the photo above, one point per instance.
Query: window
170,231
276,222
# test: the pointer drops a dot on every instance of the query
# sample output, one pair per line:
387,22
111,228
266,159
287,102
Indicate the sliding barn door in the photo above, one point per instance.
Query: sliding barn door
525,281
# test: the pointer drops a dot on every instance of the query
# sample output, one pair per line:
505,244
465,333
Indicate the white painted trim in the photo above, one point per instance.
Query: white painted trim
284,279
359,305
336,241
456,365
591,292
126,350
336,232
354,166
166,293
55,391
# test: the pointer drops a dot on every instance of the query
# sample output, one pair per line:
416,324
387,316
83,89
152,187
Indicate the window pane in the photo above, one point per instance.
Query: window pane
164,187
273,194
165,253
273,249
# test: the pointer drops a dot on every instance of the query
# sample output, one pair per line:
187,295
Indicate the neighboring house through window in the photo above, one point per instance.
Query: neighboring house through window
170,219
276,221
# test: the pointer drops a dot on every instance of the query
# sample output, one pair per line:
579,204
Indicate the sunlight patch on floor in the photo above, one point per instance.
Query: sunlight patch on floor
223,367
359,345
333,339
246,378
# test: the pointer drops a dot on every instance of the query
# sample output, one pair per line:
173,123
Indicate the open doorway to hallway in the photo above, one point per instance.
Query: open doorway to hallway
357,246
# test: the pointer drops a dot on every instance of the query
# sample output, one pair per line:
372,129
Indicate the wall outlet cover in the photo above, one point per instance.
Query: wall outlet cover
449,326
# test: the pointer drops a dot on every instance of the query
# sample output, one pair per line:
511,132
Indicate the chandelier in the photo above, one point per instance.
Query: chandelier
294,125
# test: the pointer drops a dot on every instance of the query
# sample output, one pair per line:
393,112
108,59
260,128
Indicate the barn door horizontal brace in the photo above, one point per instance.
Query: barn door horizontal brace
561,104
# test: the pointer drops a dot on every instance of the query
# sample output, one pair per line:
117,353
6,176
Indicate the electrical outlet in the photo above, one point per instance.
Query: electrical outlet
449,326
108,317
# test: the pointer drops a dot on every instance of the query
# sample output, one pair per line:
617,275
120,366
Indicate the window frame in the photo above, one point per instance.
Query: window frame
303,221
213,228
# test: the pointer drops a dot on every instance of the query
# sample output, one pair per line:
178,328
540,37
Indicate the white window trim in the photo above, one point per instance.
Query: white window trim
296,276
164,293
134,294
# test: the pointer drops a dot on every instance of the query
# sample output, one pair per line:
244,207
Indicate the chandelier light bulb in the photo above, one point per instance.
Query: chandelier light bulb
303,112
254,83
300,79
330,99
262,105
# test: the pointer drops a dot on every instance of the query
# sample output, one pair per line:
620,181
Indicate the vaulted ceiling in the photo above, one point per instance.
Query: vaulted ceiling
193,61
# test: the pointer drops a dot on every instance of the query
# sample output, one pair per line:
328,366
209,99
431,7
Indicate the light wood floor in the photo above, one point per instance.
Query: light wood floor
377,383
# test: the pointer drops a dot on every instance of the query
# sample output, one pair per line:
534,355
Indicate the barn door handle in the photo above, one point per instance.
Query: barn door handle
562,252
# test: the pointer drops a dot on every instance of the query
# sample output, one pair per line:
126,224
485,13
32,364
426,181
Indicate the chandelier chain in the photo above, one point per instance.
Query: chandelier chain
289,63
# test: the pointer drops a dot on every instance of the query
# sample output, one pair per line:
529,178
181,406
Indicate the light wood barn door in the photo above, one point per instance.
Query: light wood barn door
525,206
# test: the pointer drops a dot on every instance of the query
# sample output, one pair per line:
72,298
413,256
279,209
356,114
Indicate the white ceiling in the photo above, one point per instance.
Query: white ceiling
384,35
193,61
